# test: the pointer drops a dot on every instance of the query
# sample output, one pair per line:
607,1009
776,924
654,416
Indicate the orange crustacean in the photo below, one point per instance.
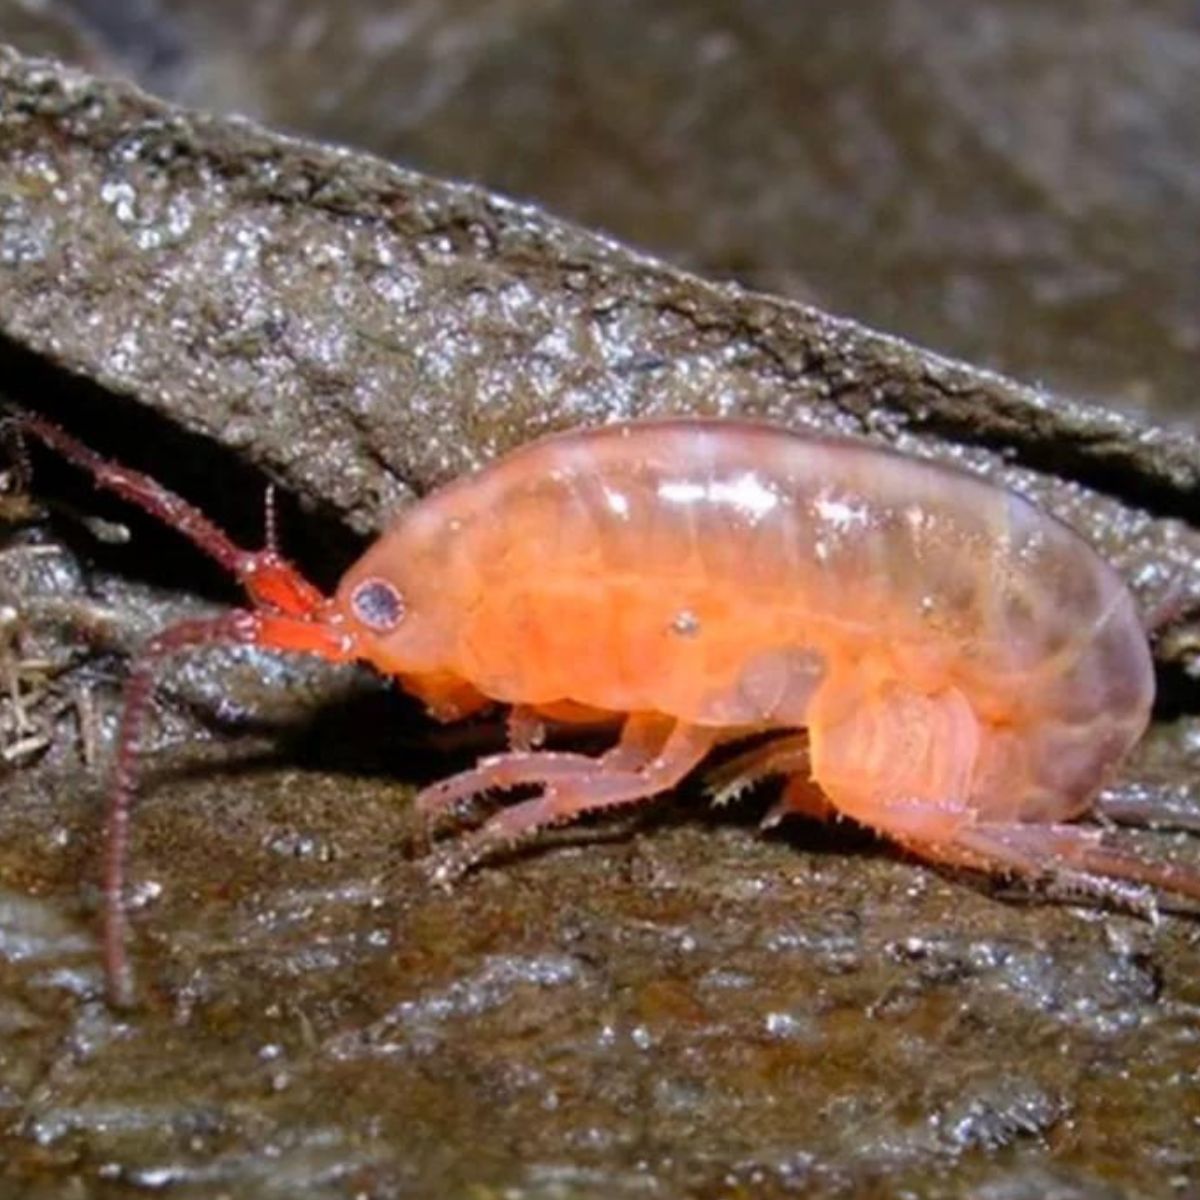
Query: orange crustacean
950,665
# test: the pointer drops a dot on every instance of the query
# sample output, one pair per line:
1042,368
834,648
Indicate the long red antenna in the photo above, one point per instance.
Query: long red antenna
138,489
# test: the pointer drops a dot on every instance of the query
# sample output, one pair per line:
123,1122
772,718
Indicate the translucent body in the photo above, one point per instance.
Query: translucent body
951,650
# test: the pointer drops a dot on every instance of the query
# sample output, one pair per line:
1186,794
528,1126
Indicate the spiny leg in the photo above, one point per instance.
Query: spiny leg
1077,858
601,788
787,755
641,736
499,772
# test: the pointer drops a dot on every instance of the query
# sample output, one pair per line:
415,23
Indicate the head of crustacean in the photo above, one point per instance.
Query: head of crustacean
399,601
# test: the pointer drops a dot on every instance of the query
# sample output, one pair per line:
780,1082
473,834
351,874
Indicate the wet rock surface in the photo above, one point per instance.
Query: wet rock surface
1010,182
678,1006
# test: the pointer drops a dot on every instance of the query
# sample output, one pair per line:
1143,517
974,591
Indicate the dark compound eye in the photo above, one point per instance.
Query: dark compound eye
377,604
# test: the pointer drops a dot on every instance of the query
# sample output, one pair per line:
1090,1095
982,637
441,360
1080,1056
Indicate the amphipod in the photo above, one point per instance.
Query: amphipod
950,665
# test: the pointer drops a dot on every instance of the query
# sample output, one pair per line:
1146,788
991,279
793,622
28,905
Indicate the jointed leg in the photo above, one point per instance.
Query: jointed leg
1077,858
603,786
787,755
499,772
641,737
